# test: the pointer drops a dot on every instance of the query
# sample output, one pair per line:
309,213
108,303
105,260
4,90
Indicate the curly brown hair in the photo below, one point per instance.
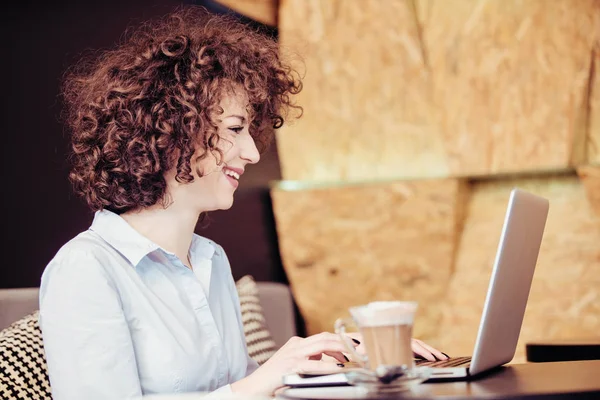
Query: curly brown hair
145,107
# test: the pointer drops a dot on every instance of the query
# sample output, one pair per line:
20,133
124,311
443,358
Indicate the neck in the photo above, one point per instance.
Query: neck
169,228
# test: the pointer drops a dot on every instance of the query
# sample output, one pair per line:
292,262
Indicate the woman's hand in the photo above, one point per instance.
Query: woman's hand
419,348
424,350
296,356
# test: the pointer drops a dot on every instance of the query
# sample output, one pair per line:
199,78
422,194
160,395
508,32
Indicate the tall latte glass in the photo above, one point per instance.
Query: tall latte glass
386,329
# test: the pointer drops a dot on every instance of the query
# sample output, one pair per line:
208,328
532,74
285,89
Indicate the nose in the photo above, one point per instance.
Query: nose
248,150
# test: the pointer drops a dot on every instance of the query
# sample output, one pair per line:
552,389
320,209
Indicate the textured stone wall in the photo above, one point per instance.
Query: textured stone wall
427,88
435,241
593,145
350,245
590,177
367,93
420,117
264,11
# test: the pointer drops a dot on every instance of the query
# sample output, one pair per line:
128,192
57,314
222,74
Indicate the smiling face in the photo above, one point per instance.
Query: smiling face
214,184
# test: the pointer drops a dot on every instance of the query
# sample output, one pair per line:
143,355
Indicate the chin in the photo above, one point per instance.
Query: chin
226,205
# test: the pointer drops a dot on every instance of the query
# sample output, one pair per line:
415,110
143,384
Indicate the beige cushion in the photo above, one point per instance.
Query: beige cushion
261,345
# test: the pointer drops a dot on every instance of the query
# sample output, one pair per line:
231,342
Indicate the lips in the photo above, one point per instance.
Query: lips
233,175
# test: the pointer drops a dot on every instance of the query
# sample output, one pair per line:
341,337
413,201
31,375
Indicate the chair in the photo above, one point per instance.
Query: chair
16,303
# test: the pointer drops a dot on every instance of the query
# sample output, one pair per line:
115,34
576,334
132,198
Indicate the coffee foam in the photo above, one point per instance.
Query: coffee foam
381,313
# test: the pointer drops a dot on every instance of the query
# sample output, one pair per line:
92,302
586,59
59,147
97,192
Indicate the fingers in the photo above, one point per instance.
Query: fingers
355,335
311,366
438,354
314,346
328,336
357,340
419,350
423,349
340,357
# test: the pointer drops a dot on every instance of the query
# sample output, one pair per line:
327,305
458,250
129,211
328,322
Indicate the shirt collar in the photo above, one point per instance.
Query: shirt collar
134,246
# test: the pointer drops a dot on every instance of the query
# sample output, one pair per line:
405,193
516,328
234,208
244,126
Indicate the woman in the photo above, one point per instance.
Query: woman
163,127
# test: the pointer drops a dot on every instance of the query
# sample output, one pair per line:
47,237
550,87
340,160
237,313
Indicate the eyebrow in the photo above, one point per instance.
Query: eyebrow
236,116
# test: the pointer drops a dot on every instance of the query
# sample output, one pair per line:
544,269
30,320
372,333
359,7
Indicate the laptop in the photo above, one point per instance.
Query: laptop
508,290
505,302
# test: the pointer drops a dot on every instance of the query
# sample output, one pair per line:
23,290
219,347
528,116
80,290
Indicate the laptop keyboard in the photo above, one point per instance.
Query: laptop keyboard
451,362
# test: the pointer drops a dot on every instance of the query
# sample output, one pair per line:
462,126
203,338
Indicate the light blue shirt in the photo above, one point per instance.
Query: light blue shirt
122,317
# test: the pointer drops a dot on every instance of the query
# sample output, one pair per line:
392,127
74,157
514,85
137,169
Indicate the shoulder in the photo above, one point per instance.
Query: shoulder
82,258
86,246
81,283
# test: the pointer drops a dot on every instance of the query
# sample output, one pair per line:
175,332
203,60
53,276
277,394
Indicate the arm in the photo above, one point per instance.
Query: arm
251,364
86,338
296,355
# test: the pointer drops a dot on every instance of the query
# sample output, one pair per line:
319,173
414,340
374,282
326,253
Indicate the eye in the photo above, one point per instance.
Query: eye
236,129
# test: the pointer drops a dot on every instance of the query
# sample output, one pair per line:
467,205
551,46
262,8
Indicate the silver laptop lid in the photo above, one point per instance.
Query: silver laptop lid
510,283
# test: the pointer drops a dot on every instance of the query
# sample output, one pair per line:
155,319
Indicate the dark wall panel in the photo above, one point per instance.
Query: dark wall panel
39,211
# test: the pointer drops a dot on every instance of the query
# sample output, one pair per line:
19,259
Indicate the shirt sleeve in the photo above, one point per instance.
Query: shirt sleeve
251,364
86,338
222,390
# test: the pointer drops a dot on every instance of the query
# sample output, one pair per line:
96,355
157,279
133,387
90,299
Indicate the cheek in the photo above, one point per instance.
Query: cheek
227,144
204,167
